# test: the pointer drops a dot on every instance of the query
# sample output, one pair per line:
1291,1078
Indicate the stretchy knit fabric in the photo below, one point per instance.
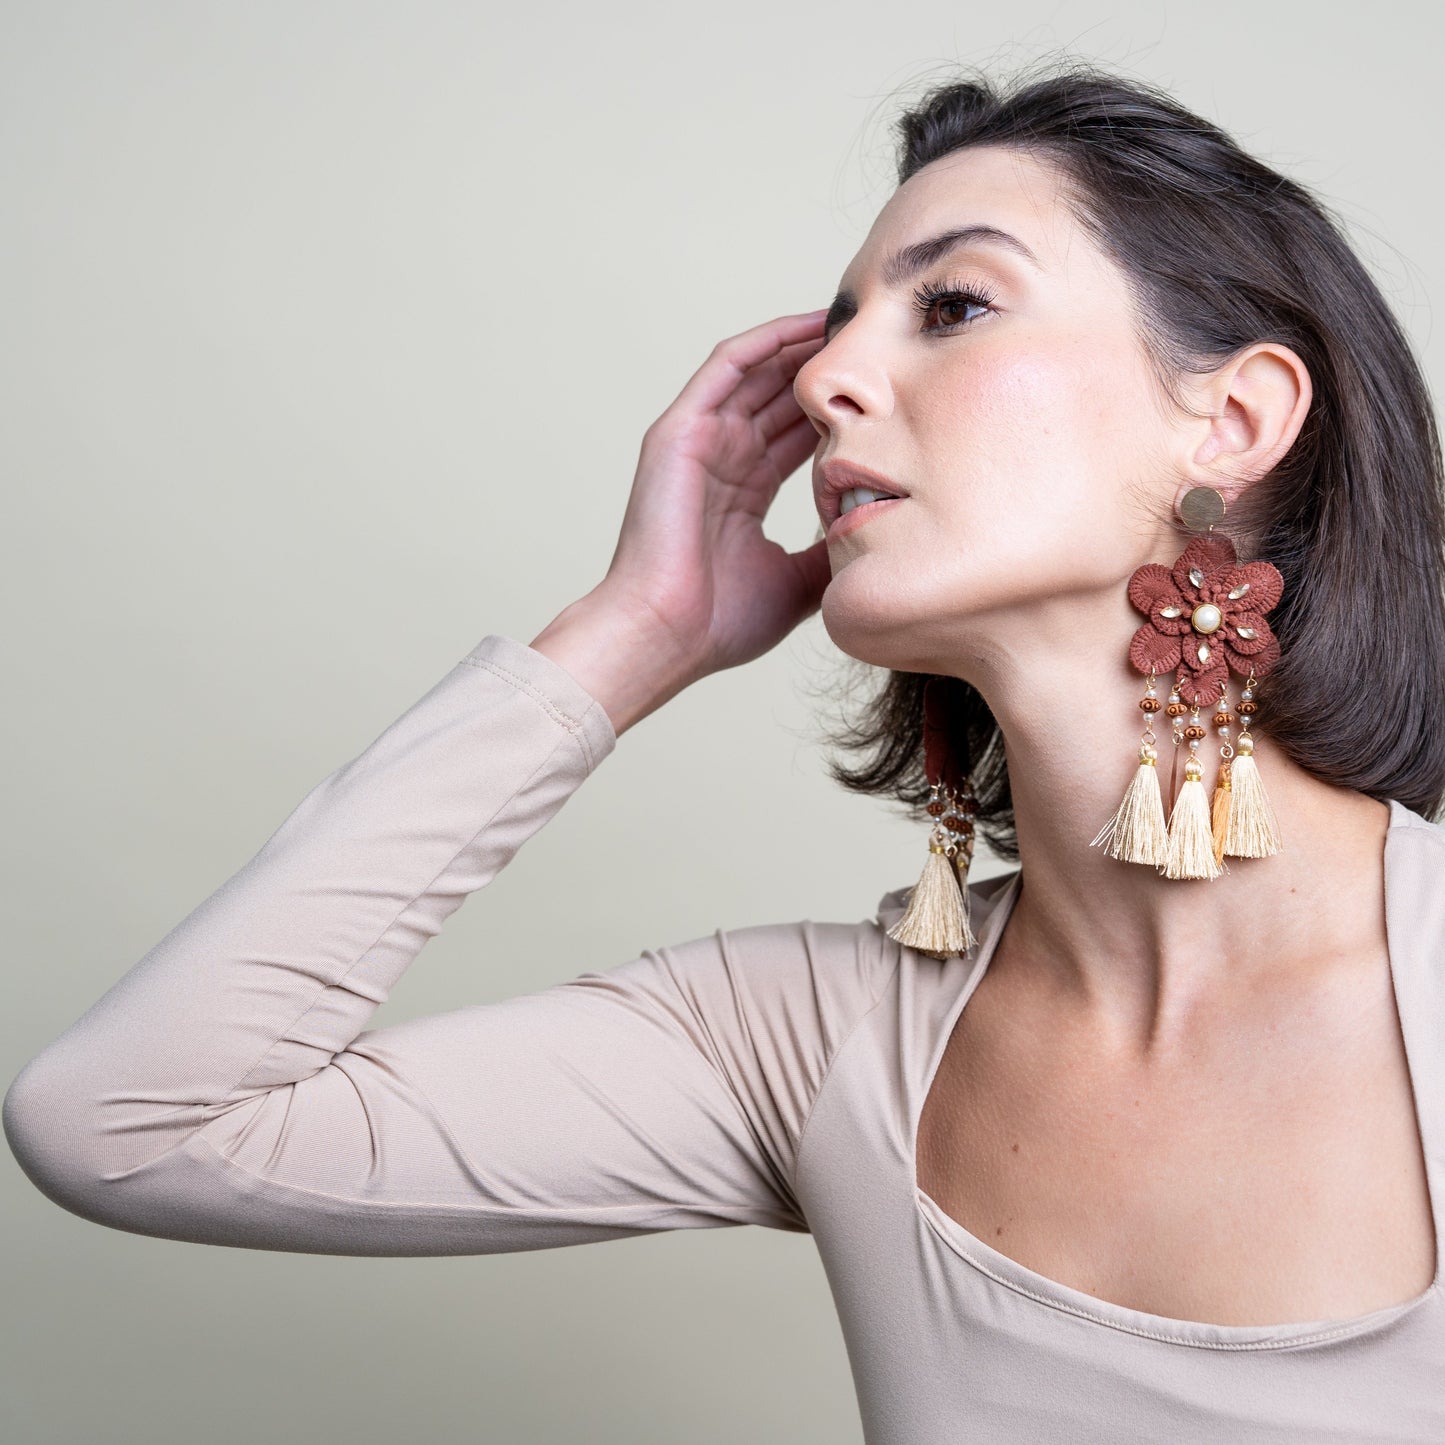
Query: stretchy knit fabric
226,1090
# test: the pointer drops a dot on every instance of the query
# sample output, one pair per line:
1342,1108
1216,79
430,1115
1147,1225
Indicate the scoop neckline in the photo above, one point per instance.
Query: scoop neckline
1199,1334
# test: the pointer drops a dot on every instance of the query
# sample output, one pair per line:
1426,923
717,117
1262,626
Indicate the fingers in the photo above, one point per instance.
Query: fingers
730,363
791,448
774,376
780,413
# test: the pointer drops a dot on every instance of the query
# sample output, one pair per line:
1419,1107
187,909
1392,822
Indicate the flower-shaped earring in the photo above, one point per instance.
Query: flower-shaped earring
1206,618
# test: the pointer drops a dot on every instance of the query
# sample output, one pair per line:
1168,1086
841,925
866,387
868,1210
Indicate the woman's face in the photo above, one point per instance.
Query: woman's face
1037,456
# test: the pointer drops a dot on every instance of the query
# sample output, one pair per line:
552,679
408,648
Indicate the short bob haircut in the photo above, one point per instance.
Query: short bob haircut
1221,252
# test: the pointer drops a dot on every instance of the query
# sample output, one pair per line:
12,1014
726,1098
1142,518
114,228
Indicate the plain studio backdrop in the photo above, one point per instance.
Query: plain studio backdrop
331,333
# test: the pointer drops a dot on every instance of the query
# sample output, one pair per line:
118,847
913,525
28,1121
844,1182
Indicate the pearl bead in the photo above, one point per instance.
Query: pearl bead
1206,618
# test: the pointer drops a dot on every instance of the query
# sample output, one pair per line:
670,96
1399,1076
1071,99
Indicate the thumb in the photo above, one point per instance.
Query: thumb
813,572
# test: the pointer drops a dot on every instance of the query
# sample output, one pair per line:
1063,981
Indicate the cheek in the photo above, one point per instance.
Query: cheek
1026,458
1008,452
1044,403
1038,442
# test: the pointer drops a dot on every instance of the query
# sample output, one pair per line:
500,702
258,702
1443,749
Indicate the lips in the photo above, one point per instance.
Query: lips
836,476
856,517
862,497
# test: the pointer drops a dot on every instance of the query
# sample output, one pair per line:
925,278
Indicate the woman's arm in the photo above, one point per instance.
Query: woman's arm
226,1090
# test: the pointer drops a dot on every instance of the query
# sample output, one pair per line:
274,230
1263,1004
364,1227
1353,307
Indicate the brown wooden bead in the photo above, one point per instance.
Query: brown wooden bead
1150,704
937,809
1223,719
1176,709
968,805
1248,707
1195,731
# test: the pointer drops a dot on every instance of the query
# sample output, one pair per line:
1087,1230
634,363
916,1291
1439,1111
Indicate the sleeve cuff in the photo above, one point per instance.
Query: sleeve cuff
552,688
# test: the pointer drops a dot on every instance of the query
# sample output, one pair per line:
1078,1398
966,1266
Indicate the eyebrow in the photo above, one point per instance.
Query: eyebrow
909,261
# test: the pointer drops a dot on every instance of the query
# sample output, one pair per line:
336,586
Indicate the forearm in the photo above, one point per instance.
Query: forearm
283,966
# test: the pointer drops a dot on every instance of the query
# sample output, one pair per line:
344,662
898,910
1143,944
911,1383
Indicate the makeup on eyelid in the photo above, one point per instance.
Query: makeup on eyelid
925,298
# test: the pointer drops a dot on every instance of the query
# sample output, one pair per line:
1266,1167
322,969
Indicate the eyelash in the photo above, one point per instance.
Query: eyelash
929,295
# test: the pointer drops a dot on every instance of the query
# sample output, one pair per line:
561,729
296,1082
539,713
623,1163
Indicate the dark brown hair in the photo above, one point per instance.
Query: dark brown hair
1221,252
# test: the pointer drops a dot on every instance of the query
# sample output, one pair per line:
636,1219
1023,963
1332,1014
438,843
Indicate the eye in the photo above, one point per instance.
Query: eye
952,300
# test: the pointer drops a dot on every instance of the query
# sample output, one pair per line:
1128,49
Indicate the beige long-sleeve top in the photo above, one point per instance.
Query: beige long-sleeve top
227,1090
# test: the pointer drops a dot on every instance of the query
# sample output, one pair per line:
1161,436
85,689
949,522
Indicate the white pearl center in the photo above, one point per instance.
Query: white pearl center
1206,617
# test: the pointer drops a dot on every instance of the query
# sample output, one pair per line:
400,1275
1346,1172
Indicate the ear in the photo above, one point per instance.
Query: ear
1254,405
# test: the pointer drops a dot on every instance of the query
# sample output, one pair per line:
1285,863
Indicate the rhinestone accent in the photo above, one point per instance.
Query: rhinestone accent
1196,576
1170,611
1204,652
1248,633
1239,591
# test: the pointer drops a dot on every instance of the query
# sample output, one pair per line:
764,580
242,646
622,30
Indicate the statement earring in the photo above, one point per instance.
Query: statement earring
936,920
1206,617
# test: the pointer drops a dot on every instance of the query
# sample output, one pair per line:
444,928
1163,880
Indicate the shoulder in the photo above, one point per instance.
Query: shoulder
1414,872
1417,829
791,990
849,964
1414,852
794,980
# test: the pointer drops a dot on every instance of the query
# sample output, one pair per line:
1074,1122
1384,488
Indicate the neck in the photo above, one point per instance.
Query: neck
1139,950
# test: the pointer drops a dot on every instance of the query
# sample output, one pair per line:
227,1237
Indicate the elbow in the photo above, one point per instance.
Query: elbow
52,1136
144,1173
89,1160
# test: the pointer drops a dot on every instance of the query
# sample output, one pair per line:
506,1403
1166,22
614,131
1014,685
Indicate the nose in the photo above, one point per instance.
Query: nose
844,382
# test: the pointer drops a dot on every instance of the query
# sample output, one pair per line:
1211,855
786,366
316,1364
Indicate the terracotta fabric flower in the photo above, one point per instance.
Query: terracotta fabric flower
1206,617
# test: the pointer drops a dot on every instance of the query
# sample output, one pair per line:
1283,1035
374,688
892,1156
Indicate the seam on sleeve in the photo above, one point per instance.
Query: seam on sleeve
391,923
467,1204
828,1070
573,725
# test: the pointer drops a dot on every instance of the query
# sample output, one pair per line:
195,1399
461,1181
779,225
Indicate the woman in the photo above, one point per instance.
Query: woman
1133,1154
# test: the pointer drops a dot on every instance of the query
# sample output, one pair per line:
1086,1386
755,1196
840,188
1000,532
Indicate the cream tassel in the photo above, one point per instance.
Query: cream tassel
1253,829
1191,842
1137,833
936,919
1219,816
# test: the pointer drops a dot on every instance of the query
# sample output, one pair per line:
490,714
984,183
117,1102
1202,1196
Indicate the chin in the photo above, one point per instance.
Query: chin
869,620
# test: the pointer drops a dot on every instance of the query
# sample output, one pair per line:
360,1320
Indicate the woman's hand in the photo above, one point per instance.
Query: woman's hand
694,586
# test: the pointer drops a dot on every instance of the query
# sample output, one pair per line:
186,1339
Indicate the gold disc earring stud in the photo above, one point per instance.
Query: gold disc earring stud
1200,508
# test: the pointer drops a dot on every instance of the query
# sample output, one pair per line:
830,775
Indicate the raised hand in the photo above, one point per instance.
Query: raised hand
694,586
